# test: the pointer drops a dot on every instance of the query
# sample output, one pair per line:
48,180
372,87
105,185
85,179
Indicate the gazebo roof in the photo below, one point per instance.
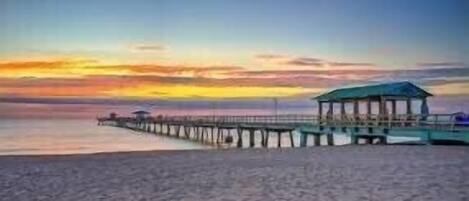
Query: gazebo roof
397,89
140,112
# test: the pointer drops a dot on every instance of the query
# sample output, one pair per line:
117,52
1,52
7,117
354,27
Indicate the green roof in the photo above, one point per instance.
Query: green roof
398,89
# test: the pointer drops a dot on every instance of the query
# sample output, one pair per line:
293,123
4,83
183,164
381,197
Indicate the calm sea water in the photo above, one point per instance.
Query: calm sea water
78,136
51,136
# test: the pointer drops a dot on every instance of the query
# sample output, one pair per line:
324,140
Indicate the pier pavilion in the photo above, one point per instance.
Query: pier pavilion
383,94
141,114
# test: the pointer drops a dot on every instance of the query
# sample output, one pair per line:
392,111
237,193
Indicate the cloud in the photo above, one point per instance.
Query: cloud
270,56
305,61
342,64
181,70
44,65
441,64
282,59
77,68
141,80
148,48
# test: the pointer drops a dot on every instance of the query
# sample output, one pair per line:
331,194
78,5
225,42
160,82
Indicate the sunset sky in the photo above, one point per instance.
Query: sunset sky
220,49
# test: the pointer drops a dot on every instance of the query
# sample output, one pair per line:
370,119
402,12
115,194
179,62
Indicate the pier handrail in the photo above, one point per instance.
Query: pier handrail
429,121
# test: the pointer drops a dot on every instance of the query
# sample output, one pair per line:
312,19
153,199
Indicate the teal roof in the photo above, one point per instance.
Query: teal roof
398,89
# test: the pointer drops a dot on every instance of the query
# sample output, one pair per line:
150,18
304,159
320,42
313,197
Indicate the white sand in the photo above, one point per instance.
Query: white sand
317,173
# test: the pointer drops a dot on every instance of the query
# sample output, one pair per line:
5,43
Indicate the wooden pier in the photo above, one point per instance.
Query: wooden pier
217,130
252,131
370,127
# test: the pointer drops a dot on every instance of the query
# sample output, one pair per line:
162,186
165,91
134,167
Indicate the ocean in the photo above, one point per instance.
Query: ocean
52,136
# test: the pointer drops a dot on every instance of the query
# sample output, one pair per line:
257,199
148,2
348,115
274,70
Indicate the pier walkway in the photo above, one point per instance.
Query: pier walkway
218,130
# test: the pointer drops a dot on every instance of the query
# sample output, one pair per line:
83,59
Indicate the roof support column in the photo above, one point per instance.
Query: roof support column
356,110
424,111
330,113
393,109
342,111
368,109
409,106
320,111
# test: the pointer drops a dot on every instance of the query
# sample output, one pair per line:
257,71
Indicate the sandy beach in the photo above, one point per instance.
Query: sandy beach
317,173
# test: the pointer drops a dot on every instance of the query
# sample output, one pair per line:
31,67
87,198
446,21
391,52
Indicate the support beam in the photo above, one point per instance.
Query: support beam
240,138
409,106
291,139
178,128
263,144
320,111
212,138
354,139
330,113
279,139
251,137
317,140
356,110
342,111
330,139
368,111
303,139
218,135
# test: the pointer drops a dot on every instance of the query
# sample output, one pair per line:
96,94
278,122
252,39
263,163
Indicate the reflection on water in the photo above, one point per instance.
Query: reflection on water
84,136
78,136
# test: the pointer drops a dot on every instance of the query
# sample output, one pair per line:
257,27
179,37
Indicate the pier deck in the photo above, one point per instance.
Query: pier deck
218,130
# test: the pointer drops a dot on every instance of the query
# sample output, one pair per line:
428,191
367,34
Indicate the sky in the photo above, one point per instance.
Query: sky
220,49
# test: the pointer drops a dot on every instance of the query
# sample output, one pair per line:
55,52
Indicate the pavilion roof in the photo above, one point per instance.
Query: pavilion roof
140,112
397,89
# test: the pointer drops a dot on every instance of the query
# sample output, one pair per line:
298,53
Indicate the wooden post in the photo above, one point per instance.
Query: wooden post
409,106
154,127
187,131
291,139
342,111
267,138
251,137
393,108
212,138
319,111
262,138
279,139
203,134
177,131
368,111
317,139
330,139
356,110
330,113
218,135
240,138
354,139
303,139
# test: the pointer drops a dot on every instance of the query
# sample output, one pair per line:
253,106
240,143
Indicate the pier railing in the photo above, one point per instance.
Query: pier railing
430,121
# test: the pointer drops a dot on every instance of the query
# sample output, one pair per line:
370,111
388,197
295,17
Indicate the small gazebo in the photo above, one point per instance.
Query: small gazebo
141,114
381,93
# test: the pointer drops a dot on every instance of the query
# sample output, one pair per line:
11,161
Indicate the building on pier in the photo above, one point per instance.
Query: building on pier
141,114
387,96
